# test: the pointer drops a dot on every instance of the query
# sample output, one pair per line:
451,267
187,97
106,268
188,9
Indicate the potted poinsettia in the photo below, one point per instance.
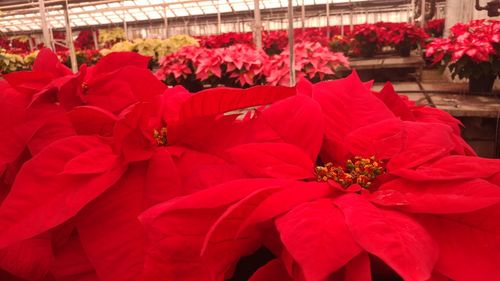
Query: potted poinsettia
312,61
435,27
274,42
340,43
242,66
472,51
405,37
367,38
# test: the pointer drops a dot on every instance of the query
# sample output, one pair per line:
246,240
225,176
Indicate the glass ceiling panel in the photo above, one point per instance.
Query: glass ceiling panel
104,12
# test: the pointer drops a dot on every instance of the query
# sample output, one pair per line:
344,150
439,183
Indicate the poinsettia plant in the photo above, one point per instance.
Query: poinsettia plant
472,51
274,41
85,40
405,37
435,27
312,61
106,174
225,39
341,44
368,38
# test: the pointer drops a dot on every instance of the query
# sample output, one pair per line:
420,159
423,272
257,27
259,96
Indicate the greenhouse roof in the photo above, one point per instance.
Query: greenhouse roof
23,16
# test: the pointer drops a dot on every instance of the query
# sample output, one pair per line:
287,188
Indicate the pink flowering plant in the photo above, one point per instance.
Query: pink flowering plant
312,61
195,67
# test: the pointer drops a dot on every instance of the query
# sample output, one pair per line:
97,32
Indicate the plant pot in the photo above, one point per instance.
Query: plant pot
482,84
368,50
404,50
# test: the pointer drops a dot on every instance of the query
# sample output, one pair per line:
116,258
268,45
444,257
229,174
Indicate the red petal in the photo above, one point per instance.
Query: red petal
347,105
358,269
440,197
469,244
394,102
220,100
71,263
28,82
276,160
453,167
216,196
90,120
40,198
29,259
272,271
317,237
286,199
298,121
109,230
47,61
117,60
123,87
395,238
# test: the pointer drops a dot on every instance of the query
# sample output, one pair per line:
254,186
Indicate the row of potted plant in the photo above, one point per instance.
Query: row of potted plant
368,39
152,47
364,39
472,51
242,66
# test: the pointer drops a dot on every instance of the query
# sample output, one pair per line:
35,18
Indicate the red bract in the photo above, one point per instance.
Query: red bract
153,143
435,27
404,33
36,102
412,221
225,40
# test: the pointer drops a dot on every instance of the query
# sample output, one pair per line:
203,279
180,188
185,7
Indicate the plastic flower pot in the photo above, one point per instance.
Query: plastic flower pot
404,49
368,50
482,84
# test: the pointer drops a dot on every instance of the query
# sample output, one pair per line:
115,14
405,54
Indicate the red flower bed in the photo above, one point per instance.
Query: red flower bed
107,174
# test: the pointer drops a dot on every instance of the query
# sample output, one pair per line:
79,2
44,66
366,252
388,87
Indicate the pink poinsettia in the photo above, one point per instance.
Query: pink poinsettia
312,61
404,207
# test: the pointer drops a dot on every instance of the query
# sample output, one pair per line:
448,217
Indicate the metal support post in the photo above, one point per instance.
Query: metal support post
258,25
69,39
45,27
290,43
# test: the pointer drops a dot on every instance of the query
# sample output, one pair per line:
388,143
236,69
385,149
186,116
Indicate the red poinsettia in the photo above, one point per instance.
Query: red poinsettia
35,104
435,27
406,205
404,34
225,40
471,50
117,166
